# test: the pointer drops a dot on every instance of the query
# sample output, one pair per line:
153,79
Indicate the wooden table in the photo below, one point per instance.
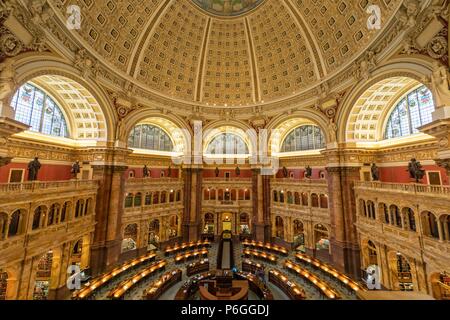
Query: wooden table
260,255
161,285
256,285
184,257
252,267
197,267
124,286
100,281
321,285
291,289
266,247
191,286
186,247
345,280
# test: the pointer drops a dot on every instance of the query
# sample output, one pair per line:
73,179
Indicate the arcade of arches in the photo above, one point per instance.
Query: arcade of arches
165,122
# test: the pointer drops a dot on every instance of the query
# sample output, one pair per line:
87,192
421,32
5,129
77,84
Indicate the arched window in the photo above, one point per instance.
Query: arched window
64,211
315,200
408,217
371,210
297,198
372,252
150,137
3,225
38,110
138,199
275,196
129,200
148,199
304,138
324,201
412,112
14,224
227,143
37,218
395,216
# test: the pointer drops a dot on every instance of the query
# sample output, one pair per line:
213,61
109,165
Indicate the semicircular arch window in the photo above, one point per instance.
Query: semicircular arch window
413,111
227,143
304,138
150,137
37,109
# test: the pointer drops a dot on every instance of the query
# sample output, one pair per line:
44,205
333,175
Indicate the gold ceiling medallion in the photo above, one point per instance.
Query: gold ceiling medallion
228,8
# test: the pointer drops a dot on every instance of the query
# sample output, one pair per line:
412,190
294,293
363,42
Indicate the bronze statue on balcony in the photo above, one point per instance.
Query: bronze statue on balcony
169,172
308,172
415,170
285,172
33,169
146,172
238,172
217,172
375,172
76,169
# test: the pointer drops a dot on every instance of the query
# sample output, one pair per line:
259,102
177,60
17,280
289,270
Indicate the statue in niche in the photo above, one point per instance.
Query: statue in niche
375,172
33,169
76,169
217,172
285,172
146,172
238,171
308,172
169,172
415,170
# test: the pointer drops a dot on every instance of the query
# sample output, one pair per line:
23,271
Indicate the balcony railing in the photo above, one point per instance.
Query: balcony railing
227,180
39,186
301,181
152,181
403,187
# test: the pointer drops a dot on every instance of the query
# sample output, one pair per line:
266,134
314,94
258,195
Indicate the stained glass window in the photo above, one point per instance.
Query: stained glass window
38,110
304,138
412,112
150,137
227,143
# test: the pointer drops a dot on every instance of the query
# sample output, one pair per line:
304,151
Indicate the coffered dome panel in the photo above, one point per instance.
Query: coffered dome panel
112,28
170,62
340,27
177,49
228,75
283,59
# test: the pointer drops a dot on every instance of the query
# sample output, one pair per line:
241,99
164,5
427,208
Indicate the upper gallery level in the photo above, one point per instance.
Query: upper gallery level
35,215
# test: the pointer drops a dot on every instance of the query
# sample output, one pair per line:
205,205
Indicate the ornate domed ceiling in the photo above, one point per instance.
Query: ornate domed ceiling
176,49
228,7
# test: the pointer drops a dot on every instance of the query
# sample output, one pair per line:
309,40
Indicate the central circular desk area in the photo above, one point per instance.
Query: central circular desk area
224,287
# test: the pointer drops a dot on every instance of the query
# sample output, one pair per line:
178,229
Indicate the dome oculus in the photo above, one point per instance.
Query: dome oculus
227,7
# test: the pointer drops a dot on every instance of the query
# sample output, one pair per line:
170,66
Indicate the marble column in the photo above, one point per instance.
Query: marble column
106,247
261,206
192,203
345,250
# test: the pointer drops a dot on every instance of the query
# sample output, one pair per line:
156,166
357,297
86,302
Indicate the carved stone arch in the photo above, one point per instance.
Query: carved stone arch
276,137
169,123
414,68
32,66
240,128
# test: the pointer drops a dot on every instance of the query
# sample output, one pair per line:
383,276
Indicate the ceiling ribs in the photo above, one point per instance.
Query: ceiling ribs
145,37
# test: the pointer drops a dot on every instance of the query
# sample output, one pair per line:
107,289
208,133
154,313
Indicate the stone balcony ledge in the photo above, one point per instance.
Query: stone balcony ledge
46,186
407,188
